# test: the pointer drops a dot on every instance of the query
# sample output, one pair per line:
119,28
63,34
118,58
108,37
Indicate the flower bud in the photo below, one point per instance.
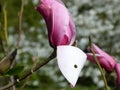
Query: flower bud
60,25
105,60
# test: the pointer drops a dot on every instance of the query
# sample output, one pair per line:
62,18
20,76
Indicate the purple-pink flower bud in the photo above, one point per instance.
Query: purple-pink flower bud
117,69
60,25
105,60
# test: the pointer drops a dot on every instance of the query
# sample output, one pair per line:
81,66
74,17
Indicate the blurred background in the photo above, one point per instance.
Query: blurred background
100,19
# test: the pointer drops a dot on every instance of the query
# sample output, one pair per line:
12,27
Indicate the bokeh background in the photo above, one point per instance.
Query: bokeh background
98,18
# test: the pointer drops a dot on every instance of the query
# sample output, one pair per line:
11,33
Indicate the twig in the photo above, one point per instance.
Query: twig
12,80
27,78
12,77
52,56
99,66
5,23
19,37
35,61
20,14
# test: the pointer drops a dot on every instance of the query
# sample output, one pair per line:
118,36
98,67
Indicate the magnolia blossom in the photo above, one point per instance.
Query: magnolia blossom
60,25
62,32
105,60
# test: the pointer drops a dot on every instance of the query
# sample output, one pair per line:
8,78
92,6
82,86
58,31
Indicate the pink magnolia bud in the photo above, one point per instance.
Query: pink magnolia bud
105,60
60,25
117,69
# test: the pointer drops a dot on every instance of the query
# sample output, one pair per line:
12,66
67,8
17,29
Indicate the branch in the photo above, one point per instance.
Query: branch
52,56
20,23
99,66
19,36
35,61
27,78
5,23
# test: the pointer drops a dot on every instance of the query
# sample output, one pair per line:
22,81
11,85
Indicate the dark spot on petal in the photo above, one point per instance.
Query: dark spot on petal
75,66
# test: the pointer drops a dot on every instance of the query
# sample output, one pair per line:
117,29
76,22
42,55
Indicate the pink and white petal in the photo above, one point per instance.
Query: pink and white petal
73,29
60,22
70,61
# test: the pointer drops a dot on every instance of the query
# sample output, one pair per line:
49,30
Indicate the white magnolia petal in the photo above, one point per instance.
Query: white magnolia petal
70,61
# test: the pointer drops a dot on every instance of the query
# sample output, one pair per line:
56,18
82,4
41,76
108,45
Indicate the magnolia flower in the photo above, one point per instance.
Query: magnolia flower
62,32
61,29
117,69
105,60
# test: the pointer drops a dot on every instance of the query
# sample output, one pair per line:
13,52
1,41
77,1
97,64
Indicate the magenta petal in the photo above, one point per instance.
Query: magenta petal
64,40
73,29
46,12
106,64
60,23
96,49
105,60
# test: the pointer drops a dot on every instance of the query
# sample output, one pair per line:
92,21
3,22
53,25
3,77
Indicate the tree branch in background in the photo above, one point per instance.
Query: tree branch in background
5,24
19,37
20,15
35,61
30,72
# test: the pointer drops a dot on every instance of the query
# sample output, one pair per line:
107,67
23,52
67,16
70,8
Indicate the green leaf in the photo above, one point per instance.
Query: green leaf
15,71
